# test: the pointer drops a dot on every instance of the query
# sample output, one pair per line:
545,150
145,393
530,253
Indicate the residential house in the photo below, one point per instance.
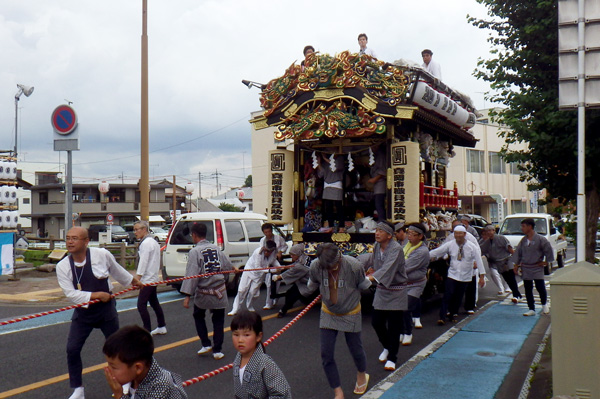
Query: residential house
90,206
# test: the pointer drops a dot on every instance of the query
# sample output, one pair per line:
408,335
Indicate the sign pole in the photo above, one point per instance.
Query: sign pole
69,193
581,227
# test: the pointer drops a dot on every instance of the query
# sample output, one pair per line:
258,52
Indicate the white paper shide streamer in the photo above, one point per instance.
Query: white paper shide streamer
332,163
350,163
371,157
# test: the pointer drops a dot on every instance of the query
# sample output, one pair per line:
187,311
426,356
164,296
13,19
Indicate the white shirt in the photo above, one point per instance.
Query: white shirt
433,68
149,264
471,238
368,51
461,270
242,369
258,261
103,266
279,241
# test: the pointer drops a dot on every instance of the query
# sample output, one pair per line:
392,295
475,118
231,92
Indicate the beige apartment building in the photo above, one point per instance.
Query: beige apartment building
487,185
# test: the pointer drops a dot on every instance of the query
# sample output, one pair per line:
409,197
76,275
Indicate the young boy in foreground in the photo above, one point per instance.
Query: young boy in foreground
129,353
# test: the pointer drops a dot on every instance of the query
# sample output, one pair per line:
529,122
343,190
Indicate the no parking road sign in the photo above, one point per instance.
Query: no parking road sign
64,123
64,119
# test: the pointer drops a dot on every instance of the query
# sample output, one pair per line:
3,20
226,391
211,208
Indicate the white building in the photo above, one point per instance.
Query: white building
487,185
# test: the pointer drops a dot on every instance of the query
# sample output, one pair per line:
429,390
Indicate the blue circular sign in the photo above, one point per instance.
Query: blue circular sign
64,119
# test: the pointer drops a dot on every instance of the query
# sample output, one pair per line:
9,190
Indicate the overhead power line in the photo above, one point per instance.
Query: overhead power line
168,147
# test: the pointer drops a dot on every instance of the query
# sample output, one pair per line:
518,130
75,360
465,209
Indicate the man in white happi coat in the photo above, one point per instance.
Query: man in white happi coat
430,65
249,287
471,293
464,258
267,230
362,43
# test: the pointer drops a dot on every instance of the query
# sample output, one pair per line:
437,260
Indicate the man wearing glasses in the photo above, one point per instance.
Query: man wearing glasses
465,258
83,277
148,265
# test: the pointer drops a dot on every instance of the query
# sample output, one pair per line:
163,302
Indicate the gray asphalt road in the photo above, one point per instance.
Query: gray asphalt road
38,355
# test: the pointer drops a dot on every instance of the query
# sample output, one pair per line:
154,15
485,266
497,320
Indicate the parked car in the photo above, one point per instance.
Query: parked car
131,234
118,233
158,234
237,234
478,222
544,226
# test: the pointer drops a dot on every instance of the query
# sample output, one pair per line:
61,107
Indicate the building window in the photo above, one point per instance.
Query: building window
475,161
496,163
43,198
518,206
25,201
514,168
494,213
116,195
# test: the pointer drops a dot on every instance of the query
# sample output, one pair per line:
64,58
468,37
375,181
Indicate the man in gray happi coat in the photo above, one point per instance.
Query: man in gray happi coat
498,251
296,280
340,280
391,297
209,292
529,256
332,173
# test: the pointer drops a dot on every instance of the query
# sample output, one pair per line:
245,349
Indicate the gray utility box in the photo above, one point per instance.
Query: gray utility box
576,331
104,237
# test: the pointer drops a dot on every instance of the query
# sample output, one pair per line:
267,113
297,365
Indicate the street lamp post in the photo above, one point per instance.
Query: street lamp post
27,90
189,188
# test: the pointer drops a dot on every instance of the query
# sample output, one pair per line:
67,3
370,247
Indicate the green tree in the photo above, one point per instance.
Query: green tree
523,74
225,207
248,181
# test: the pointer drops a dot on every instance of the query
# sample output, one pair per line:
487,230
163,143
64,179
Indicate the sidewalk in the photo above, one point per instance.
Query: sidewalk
36,287
489,356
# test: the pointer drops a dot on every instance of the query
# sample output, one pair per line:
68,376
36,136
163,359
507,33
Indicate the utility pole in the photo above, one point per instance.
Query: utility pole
216,175
144,150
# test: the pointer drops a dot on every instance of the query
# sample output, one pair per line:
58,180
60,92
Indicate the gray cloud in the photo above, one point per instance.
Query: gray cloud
199,51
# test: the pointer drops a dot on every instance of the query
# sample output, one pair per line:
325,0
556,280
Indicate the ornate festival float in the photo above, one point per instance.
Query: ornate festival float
352,112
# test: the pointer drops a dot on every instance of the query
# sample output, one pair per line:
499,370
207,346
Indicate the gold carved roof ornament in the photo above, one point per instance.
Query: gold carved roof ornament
330,120
326,114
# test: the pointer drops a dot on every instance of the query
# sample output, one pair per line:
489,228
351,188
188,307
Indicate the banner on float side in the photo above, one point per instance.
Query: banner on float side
7,258
405,181
281,186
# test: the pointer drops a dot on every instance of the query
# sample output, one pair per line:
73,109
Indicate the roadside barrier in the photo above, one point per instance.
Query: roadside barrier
267,342
33,316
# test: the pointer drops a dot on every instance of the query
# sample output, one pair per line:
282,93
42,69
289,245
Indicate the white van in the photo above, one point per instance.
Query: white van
544,226
237,234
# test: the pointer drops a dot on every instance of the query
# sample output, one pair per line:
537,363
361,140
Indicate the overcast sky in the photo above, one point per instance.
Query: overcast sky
88,52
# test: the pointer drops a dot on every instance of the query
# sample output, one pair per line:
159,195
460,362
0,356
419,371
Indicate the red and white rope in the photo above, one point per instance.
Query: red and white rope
267,342
79,305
